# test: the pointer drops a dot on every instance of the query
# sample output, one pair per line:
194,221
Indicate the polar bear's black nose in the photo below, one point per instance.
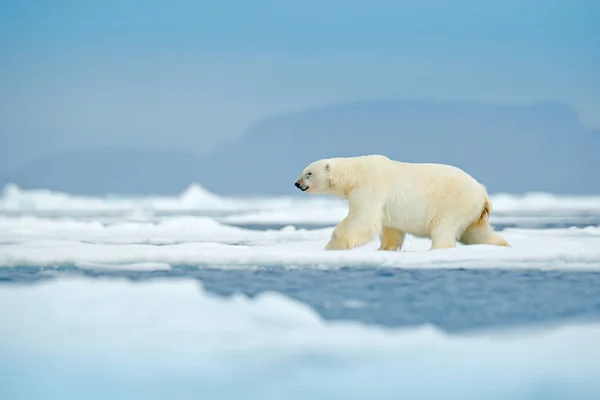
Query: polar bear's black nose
297,184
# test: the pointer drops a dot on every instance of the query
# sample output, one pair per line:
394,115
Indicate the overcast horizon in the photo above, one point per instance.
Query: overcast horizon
191,75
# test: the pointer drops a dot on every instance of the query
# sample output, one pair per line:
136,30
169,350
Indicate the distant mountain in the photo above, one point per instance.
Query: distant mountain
109,170
510,148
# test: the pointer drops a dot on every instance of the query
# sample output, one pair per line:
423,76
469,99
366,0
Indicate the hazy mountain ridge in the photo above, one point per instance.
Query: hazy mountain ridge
510,148
109,170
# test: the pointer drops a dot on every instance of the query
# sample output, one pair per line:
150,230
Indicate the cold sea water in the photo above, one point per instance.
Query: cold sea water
195,304
452,299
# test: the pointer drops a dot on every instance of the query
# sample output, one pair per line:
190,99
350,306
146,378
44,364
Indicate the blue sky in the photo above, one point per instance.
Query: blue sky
191,74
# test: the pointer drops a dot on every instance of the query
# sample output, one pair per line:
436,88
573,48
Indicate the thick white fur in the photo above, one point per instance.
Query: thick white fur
390,199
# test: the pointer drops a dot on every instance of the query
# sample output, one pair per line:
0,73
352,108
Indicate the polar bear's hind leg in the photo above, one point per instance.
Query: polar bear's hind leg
391,239
481,232
443,236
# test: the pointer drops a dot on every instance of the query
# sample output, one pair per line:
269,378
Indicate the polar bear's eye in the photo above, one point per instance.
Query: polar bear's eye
308,174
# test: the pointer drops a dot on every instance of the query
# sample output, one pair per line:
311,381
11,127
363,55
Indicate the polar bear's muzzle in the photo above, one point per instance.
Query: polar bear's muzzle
299,185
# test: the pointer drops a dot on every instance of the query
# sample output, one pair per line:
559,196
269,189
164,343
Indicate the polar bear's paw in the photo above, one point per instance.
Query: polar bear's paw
339,244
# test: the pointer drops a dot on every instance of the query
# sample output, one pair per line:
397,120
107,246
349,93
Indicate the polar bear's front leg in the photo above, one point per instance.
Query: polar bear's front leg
353,231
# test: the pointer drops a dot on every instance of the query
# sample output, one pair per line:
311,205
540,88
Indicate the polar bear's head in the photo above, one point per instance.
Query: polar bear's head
316,178
340,176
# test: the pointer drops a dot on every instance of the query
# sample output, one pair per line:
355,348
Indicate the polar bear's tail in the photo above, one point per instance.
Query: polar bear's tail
481,232
484,217
486,211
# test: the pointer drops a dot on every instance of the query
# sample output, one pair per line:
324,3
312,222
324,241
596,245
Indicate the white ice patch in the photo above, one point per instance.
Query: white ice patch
99,339
194,198
137,267
143,238
201,241
306,214
544,202
164,231
14,198
197,198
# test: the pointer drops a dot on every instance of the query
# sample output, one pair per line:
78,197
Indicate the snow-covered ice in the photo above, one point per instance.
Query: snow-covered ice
103,338
576,248
183,238
99,338
281,210
194,198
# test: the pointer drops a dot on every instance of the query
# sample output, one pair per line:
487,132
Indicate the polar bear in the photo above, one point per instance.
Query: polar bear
390,199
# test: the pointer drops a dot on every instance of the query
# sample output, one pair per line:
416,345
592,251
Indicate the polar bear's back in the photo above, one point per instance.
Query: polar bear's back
424,192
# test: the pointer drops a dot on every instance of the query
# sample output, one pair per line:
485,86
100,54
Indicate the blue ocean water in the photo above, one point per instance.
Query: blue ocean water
452,299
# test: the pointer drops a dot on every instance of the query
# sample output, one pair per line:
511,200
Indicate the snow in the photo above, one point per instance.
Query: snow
182,238
98,338
195,197
103,338
208,244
